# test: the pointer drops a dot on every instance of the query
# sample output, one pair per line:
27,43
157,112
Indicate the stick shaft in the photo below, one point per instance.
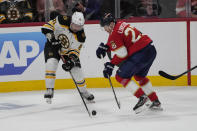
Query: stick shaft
118,103
114,92
80,95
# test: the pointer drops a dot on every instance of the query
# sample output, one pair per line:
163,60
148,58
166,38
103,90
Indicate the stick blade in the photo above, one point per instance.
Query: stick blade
164,74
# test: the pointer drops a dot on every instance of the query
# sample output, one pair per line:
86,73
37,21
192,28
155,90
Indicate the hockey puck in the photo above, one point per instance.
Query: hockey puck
93,112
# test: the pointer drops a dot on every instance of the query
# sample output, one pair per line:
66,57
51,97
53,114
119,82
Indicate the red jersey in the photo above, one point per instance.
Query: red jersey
125,40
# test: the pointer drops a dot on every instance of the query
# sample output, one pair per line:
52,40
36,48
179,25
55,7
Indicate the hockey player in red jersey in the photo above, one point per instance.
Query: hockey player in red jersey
134,54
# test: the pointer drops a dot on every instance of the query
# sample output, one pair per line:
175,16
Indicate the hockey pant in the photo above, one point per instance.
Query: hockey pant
138,66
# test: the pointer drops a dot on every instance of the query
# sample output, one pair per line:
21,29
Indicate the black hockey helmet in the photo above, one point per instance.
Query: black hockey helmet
106,19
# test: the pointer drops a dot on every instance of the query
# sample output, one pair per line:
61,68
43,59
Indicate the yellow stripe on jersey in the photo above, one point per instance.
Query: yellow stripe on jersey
48,26
29,14
52,22
70,51
64,26
2,17
74,51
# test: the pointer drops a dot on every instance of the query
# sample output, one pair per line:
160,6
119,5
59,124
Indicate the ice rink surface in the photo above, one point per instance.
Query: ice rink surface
28,111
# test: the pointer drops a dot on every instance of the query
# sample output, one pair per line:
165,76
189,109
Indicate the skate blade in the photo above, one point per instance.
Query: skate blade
48,100
141,109
156,109
90,101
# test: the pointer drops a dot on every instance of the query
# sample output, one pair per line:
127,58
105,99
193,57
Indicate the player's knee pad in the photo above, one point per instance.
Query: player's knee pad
52,64
77,74
142,80
123,81
51,67
78,77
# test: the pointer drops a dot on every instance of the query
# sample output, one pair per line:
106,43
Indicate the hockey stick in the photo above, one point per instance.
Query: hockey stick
80,95
77,89
171,77
118,103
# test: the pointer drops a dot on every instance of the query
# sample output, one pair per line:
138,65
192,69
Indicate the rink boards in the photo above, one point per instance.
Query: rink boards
22,60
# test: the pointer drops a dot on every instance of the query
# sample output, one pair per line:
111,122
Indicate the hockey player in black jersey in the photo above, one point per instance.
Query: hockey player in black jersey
65,37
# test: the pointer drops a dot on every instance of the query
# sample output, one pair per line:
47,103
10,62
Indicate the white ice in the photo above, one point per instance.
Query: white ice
28,111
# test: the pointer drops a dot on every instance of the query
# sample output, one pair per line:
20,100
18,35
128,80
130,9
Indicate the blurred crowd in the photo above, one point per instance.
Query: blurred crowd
17,11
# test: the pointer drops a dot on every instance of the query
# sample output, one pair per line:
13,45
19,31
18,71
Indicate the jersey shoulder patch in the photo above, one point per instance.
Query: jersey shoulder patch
64,20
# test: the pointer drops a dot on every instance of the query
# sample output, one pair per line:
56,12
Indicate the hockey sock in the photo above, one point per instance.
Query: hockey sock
146,85
50,73
81,85
131,86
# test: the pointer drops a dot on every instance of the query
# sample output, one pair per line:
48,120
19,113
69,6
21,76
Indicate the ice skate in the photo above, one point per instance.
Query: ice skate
156,106
141,105
49,95
89,97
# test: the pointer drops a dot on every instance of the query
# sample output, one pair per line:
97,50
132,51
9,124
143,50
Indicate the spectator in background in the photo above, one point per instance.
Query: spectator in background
194,8
127,8
15,11
34,10
181,8
107,6
90,8
133,8
71,6
148,8
54,8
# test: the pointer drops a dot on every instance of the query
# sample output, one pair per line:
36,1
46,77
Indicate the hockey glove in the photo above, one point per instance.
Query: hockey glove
51,39
107,72
75,59
101,51
68,65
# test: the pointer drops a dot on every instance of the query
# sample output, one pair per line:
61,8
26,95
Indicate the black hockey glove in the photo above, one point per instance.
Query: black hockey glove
68,65
107,72
51,39
75,59
101,51
70,61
